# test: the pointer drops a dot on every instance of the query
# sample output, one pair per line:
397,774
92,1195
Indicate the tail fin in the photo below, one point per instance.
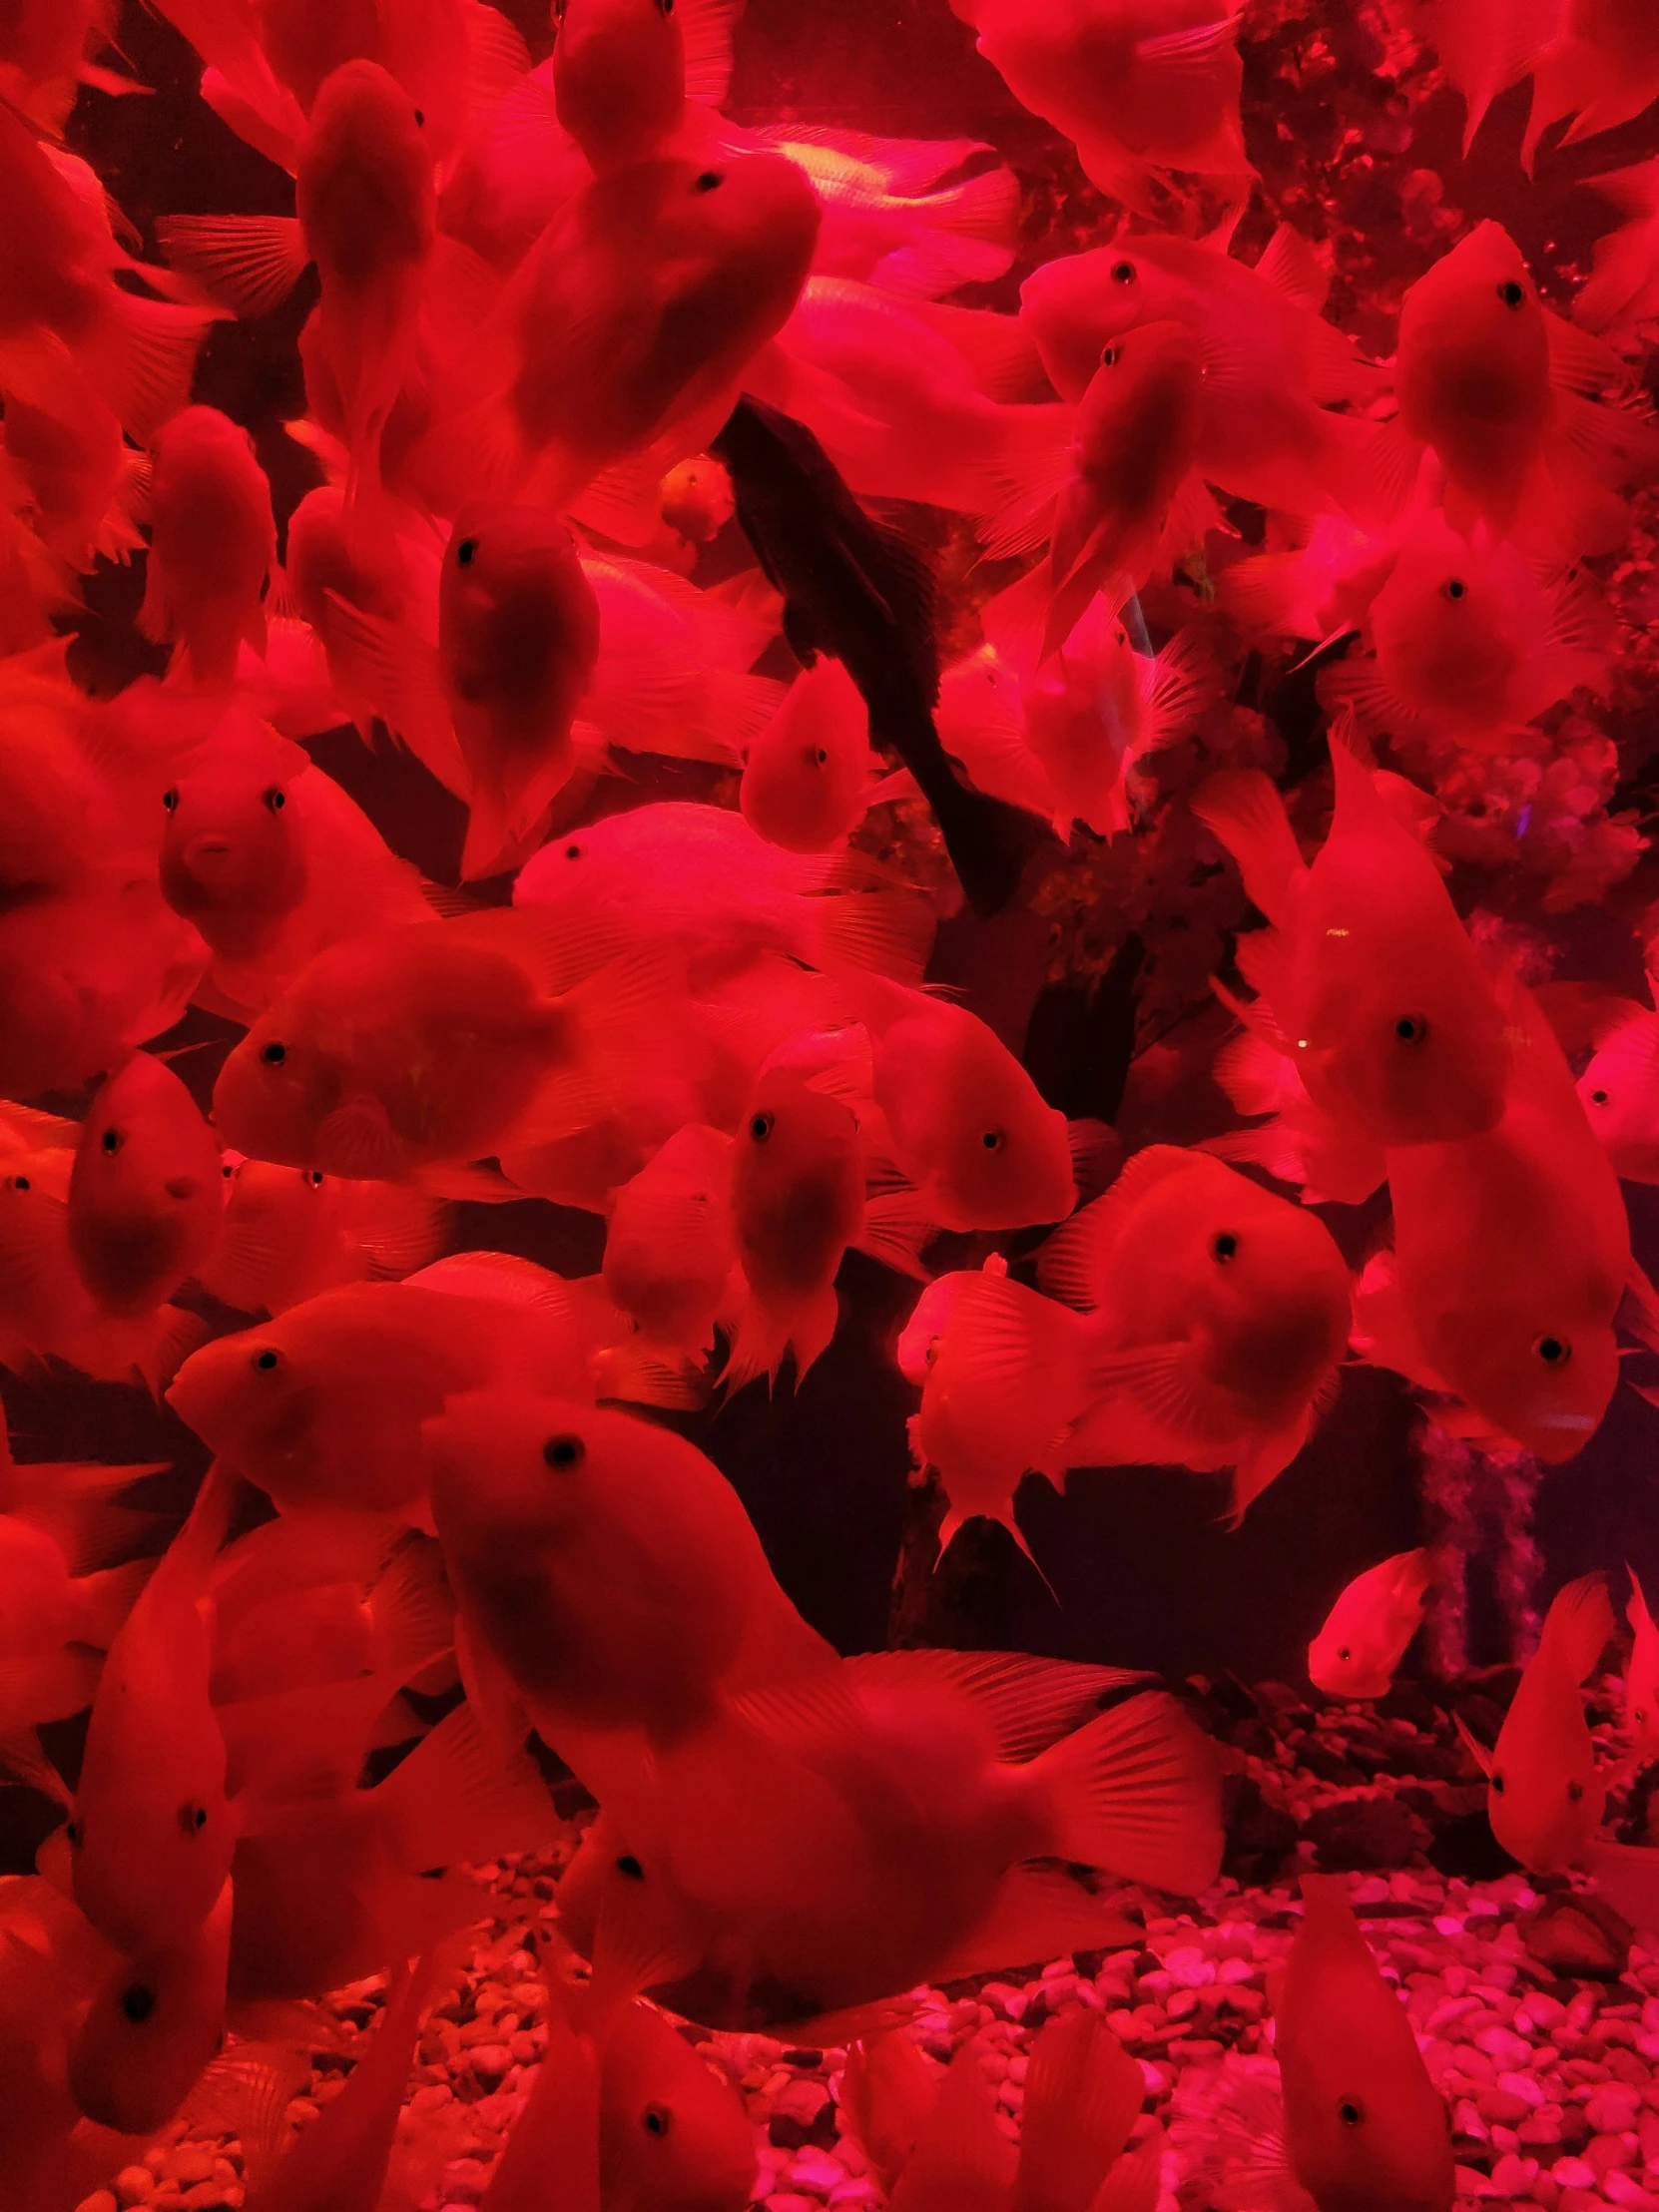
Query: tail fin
1137,1793
456,1797
1579,1623
1242,808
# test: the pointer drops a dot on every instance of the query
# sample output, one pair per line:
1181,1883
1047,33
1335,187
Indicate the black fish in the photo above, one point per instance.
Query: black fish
865,595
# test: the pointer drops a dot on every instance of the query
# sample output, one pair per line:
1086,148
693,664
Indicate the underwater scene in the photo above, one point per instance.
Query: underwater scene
828,1105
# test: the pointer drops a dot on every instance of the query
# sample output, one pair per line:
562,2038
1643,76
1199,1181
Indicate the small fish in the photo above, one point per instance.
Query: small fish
1511,1257
1110,485
1641,1674
608,1566
623,71
695,499
519,638
1365,2128
321,1406
233,859
1220,1314
83,488
1366,1633
156,2023
1619,1091
153,1831
629,325
672,2131
145,1197
797,1202
1140,86
833,1840
438,1041
1471,646
1546,1794
668,1245
212,545
966,1123
288,1234
1496,386
893,218
1367,971
858,590
1272,364
1004,1379
807,779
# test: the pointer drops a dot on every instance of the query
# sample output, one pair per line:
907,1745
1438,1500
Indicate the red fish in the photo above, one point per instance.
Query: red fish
212,545
288,1234
146,1193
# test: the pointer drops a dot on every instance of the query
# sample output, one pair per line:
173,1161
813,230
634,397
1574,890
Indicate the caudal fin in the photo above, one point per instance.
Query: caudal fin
1579,1623
1242,808
1137,1793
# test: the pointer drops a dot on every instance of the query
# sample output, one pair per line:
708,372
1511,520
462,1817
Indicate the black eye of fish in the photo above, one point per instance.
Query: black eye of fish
275,799
657,2116
73,1832
1575,1790
314,1175
20,1183
1224,1248
992,1140
821,756
1554,1352
573,851
667,6
273,1054
1351,2111
1344,1653
170,800
420,119
760,1126
112,1140
1109,357
265,1361
630,1867
228,1172
1453,588
1411,1028
1123,273
193,1819
1498,1783
137,2003
1598,1098
1511,294
709,180
465,550
563,1451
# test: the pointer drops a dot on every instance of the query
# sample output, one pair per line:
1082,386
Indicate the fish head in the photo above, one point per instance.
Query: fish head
1544,1799
153,2025
803,778
516,613
255,1399
798,1180
1074,308
512,1474
364,189
274,1091
232,844
1145,387
1273,1298
1417,1055
1542,1375
1002,1158
146,1195
1474,347
619,76
927,1322
670,2129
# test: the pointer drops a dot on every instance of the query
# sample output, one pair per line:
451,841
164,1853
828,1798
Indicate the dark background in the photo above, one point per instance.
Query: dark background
1142,1570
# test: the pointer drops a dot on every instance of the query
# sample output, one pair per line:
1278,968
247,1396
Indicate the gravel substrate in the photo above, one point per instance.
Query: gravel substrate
1536,2007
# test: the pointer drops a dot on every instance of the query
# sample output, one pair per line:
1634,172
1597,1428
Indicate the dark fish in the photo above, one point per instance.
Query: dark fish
864,594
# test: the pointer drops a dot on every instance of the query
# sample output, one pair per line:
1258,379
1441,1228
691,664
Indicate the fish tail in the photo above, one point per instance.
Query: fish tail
1137,1793
1241,809
766,1332
1579,1624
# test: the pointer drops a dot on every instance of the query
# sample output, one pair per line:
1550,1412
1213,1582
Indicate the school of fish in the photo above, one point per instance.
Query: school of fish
746,557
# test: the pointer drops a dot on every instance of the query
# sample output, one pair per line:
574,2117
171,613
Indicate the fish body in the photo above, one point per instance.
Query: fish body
1390,1022
1618,1094
1366,1633
669,1247
212,545
288,1234
1364,2126
671,2130
1546,1794
1221,1312
145,1196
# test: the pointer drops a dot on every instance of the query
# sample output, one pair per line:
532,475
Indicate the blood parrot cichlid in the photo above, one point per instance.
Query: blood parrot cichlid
146,1193
212,545
1367,1631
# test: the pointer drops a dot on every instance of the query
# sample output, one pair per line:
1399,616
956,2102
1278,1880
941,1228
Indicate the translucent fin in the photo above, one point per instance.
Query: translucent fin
1137,1793
1083,2095
250,262
1243,809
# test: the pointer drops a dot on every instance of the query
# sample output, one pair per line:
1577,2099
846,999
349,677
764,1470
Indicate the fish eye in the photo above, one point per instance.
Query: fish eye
1554,1352
1344,1653
821,756
761,1126
630,1867
73,1832
1109,357
667,6
1498,1783
169,800
420,119
1123,273
563,1452
266,1360
1411,1028
573,851
992,1140
1453,588
709,180
273,1054
137,2003
1351,2111
275,799
314,1175
193,1819
229,1172
1511,294
1598,1098
1224,1248
21,1183
1575,1790
112,1140
465,550
657,2116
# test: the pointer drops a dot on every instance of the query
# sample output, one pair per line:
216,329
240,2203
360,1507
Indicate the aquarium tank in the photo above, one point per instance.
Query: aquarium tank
828,1105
